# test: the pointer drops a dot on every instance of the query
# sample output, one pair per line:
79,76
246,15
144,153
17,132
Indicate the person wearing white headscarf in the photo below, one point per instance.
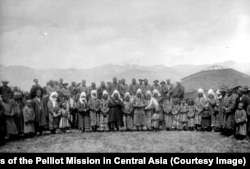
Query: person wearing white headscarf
200,103
83,113
127,112
94,107
151,103
213,103
139,111
115,104
167,109
54,114
104,111
158,107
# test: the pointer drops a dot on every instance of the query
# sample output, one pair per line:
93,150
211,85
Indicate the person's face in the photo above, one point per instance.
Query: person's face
36,81
105,97
211,96
240,106
141,81
168,81
148,96
240,92
93,85
102,84
156,83
168,96
139,95
29,104
127,98
61,80
94,94
200,95
38,93
146,81
123,81
73,83
115,80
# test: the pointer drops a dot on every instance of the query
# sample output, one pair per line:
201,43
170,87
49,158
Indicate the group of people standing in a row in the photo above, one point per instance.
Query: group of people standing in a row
115,105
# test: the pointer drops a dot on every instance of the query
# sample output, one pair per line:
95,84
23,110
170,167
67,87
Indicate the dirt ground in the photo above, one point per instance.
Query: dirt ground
162,141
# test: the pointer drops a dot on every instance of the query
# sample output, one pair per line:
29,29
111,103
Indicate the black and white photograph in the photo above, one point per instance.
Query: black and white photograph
125,76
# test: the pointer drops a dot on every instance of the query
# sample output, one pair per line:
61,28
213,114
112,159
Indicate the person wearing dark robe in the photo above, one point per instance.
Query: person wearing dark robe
72,88
34,89
133,87
17,107
178,91
40,114
2,124
61,82
163,89
123,87
156,85
101,89
140,86
84,88
146,87
245,99
229,106
11,129
115,118
114,85
5,90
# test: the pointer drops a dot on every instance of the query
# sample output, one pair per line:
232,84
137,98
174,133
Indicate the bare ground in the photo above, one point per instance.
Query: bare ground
163,141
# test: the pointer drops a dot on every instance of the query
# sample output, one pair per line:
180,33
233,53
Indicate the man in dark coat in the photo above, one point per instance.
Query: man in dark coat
133,87
6,90
34,88
178,91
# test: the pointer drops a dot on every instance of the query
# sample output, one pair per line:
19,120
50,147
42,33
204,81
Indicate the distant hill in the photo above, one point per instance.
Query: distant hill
23,76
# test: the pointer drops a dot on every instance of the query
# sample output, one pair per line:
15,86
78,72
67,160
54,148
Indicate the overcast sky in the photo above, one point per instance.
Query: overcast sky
89,33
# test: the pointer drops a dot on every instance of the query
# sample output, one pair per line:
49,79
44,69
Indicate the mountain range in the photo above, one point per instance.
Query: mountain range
23,76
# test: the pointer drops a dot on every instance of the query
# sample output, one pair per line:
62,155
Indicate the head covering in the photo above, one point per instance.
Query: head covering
163,82
116,92
156,81
127,94
155,91
141,80
82,97
148,93
92,94
201,91
211,92
105,93
28,101
218,94
53,100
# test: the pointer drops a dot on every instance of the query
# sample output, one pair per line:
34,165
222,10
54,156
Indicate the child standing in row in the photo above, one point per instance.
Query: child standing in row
29,119
241,122
65,115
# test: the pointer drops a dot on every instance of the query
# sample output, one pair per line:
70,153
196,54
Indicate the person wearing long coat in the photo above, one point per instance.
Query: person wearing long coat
11,129
17,108
94,110
54,114
40,112
104,111
229,103
167,109
127,112
115,104
29,118
213,104
139,111
149,109
2,124
241,122
200,103
83,112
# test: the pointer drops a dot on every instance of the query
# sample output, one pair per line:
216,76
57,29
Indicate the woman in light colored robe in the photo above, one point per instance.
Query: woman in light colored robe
167,108
104,111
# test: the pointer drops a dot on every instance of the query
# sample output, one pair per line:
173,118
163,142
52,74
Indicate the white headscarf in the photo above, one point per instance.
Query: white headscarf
211,92
127,94
155,91
202,92
93,92
83,97
116,92
138,91
53,100
105,93
218,93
